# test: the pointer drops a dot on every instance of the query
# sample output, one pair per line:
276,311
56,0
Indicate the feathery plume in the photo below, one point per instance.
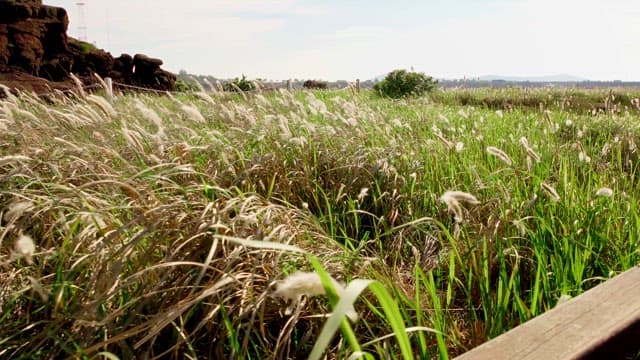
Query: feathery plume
302,283
499,154
307,284
363,193
78,84
604,192
103,104
522,230
459,196
533,155
193,113
453,198
446,142
16,210
13,158
582,157
550,191
25,247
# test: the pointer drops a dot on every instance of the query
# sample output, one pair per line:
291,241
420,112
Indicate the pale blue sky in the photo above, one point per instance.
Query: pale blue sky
332,39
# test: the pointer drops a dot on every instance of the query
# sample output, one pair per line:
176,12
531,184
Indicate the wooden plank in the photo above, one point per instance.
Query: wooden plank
602,323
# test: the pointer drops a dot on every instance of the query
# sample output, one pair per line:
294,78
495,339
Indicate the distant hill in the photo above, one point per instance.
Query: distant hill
547,78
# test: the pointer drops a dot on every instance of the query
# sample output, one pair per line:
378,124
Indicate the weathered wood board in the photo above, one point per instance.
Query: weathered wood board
602,323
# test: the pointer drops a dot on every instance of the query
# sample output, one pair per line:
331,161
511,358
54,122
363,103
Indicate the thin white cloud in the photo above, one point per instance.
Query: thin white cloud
270,7
359,33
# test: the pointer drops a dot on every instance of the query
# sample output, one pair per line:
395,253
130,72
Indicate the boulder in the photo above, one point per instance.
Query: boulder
147,73
122,68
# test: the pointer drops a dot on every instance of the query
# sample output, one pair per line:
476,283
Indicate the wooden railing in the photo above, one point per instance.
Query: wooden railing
602,323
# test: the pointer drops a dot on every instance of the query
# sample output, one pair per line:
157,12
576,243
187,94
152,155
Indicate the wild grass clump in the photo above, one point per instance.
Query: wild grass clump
293,225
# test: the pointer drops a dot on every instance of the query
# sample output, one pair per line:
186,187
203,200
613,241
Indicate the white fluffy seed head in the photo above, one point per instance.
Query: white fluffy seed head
582,157
303,283
604,192
522,230
25,247
307,284
16,210
363,193
453,199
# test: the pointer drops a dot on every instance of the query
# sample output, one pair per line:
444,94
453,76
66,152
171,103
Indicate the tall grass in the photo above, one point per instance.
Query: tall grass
161,227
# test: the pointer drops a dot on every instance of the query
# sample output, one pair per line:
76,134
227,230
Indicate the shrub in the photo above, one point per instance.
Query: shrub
314,84
185,86
239,85
402,83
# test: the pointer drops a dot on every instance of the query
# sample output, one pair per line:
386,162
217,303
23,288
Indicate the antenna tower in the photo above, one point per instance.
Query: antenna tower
82,26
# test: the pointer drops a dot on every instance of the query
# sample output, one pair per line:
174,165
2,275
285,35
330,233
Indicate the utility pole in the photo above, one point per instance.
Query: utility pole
82,25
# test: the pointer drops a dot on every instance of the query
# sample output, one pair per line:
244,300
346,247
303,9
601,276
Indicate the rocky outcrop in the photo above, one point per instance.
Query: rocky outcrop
31,33
34,44
147,71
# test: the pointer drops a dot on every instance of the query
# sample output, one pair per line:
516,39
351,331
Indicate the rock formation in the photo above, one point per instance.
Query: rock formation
36,53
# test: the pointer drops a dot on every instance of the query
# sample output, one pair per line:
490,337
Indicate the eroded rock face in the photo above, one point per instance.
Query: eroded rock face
147,72
29,31
33,41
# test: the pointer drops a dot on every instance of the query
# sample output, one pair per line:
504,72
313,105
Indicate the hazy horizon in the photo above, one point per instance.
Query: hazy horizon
335,40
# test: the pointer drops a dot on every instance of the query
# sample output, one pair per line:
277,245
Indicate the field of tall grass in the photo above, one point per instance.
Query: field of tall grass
321,224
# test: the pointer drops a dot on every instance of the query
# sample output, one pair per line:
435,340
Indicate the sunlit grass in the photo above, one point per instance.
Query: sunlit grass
163,226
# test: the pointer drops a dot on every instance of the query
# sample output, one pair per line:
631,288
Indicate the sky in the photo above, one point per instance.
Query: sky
349,39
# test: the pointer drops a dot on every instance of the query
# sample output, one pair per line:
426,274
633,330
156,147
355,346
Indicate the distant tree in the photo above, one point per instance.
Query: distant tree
402,83
239,84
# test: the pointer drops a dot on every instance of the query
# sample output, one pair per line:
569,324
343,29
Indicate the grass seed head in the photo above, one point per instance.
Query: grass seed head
582,157
550,191
25,247
499,154
16,210
302,283
308,284
459,196
604,192
453,198
193,113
